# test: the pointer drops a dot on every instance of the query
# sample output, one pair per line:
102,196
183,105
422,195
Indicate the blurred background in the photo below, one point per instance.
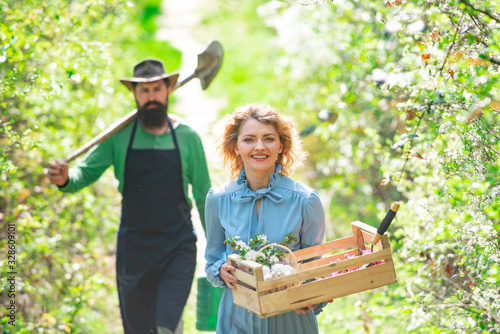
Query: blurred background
395,101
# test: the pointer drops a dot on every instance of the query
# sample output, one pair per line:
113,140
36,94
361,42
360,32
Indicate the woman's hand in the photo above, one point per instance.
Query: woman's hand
226,275
306,309
309,307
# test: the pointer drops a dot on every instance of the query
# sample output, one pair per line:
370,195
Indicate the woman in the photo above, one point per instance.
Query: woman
260,147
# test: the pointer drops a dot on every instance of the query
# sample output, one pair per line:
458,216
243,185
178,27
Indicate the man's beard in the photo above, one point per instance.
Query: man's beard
152,115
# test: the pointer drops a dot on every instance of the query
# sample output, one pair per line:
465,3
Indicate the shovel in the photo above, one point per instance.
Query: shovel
209,63
384,225
382,228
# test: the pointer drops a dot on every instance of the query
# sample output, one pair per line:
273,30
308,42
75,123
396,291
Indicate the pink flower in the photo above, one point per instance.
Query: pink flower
347,256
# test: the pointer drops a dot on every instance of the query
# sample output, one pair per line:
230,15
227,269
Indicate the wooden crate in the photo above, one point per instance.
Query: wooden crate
315,283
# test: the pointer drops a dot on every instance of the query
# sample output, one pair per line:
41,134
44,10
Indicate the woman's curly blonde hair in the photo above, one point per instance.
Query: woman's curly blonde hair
229,129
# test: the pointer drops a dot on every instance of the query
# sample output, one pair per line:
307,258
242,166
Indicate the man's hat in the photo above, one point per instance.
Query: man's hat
149,70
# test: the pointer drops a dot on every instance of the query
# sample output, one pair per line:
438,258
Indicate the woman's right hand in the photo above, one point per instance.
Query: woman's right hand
226,275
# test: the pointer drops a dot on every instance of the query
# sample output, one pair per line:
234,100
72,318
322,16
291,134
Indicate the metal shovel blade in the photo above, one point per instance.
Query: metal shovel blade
209,63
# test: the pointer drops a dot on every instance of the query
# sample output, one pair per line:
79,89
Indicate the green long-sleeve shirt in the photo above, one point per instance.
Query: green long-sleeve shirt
114,149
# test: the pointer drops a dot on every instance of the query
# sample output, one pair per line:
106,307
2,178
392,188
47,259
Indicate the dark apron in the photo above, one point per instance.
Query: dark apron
156,252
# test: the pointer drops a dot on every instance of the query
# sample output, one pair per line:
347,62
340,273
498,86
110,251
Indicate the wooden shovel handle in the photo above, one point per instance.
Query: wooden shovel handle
110,130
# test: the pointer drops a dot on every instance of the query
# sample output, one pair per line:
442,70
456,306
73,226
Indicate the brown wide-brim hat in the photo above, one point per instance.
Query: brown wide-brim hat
149,70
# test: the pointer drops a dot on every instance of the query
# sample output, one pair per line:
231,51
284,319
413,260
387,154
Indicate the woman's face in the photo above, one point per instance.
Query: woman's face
258,145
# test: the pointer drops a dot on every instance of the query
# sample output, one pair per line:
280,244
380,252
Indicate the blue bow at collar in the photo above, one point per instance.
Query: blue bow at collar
253,196
273,196
268,192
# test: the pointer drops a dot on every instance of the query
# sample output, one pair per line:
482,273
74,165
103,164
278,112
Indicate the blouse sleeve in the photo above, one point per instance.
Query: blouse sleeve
313,226
215,253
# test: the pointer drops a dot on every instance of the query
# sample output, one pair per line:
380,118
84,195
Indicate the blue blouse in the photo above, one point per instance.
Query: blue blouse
287,206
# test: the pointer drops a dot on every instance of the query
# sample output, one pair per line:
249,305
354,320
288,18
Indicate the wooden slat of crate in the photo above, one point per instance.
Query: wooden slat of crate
247,298
254,269
340,244
357,235
368,239
325,248
365,227
326,289
324,270
326,260
342,285
248,264
246,278
342,257
367,232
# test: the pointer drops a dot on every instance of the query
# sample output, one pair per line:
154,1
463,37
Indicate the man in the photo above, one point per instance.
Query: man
155,158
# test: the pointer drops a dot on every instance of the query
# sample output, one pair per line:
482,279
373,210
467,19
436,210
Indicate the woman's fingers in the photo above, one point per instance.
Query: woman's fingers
227,276
306,309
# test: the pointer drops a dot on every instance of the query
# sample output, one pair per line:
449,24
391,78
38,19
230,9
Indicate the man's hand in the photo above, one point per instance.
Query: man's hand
58,172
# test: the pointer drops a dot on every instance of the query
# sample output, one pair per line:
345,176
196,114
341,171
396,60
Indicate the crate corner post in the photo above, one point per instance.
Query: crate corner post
357,234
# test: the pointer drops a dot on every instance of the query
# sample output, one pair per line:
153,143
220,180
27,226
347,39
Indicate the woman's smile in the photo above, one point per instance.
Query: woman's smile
258,145
259,157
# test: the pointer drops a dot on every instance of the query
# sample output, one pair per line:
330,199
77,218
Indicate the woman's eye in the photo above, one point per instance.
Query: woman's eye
247,140
269,139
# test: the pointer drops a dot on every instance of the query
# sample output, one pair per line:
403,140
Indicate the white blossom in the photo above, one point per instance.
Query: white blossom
250,255
273,259
240,245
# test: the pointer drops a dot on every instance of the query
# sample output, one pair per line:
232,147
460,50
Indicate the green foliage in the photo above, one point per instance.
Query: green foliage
415,85
247,73
59,67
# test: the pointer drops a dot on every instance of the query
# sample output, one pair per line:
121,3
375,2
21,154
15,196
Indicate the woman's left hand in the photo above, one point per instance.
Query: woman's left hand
306,309
226,274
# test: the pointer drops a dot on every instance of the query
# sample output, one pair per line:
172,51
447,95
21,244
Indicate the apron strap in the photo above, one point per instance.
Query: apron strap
174,137
129,146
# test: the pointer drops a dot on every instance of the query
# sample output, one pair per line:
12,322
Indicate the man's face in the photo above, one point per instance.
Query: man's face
155,91
151,99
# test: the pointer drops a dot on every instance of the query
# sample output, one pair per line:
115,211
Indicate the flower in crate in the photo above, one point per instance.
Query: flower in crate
273,258
277,270
363,252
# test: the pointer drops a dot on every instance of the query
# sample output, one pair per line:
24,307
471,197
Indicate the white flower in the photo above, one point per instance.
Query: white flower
273,259
288,270
241,245
265,271
250,255
262,238
280,270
